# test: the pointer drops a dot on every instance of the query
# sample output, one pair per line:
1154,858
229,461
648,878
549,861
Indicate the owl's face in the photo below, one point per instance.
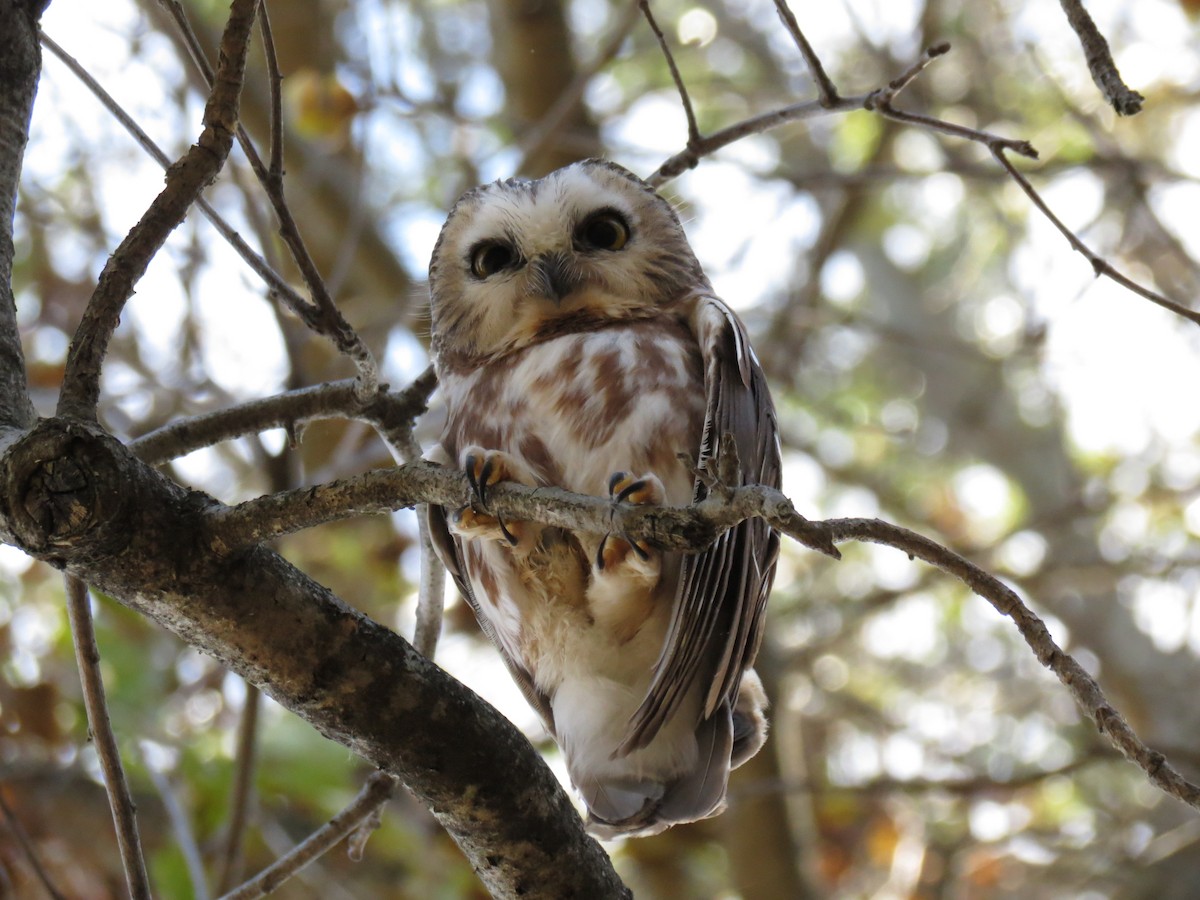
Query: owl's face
518,261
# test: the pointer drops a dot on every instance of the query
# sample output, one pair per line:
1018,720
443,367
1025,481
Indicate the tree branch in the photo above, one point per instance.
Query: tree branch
241,791
880,101
374,793
825,89
688,528
321,314
87,654
185,179
74,496
391,411
1125,101
22,64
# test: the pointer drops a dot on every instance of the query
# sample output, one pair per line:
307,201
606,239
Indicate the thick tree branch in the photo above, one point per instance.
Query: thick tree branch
20,66
185,179
77,498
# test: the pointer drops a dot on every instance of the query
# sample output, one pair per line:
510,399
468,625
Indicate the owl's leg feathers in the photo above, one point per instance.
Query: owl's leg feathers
484,469
617,552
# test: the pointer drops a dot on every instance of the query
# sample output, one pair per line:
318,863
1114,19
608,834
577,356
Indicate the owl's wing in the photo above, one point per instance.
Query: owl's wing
449,551
716,626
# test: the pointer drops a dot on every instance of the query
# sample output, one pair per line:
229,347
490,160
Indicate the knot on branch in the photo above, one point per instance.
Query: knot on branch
63,487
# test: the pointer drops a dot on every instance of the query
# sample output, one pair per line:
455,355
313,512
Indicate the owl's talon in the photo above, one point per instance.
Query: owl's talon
470,523
508,535
623,487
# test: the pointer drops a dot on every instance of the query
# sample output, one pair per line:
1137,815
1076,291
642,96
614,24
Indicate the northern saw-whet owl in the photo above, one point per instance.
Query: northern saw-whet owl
578,344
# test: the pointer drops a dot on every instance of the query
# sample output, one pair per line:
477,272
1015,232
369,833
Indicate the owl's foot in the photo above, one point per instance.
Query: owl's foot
486,468
615,551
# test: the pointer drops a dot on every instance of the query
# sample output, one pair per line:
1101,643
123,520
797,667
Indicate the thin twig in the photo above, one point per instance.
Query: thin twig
825,87
30,851
190,175
280,289
693,128
431,591
322,315
377,790
1124,100
181,828
241,792
1082,687
393,411
431,594
687,158
120,801
275,81
1099,265
880,101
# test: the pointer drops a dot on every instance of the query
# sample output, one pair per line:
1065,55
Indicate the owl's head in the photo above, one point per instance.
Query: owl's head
518,261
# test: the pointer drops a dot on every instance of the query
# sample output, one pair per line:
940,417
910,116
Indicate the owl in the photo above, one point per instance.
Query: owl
578,344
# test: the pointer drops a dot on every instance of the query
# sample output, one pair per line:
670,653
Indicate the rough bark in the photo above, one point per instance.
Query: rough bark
20,65
75,497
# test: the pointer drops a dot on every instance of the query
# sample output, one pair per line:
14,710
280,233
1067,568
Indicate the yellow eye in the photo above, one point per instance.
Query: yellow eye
489,257
604,230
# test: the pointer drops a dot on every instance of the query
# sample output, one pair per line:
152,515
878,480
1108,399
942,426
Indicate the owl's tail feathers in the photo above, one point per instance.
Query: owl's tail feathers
638,804
640,807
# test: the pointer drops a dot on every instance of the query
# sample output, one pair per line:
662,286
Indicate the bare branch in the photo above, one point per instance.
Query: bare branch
242,791
431,594
279,288
322,314
87,654
391,411
1125,101
687,158
693,128
22,67
185,837
1082,687
825,87
880,101
275,80
1099,265
375,792
185,179
690,529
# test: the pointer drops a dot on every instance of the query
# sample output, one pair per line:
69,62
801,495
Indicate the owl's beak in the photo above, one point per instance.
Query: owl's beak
553,276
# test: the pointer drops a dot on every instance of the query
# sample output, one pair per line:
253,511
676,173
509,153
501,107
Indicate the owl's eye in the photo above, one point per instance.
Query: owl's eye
605,230
489,257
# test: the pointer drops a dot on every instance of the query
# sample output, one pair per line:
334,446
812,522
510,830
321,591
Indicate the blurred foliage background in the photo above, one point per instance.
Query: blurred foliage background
940,358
